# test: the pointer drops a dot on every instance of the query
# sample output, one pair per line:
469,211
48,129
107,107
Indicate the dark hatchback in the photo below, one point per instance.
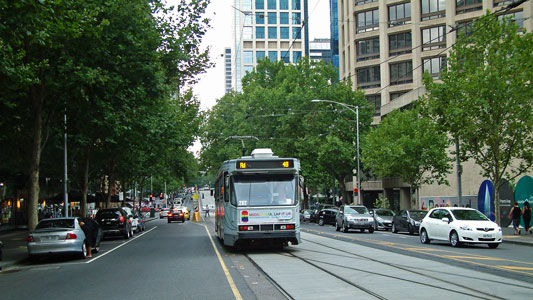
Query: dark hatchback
408,220
114,221
176,215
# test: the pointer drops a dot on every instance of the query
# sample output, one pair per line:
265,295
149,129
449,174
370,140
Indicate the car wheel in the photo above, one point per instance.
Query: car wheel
394,229
454,239
424,238
83,253
337,228
131,231
493,245
371,230
168,221
183,221
344,228
321,222
410,229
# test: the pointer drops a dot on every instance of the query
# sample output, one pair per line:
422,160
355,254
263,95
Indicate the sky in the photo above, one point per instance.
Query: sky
210,87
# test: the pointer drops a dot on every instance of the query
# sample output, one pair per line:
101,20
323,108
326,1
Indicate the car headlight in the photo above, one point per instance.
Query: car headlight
465,227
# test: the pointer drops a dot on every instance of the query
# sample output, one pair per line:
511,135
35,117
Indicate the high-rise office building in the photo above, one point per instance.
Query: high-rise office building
275,29
319,49
334,32
384,49
227,69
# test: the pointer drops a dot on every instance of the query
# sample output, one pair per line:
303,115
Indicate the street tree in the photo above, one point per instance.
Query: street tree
484,99
409,146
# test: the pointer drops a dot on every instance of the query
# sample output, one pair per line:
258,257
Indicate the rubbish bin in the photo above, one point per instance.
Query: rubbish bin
152,212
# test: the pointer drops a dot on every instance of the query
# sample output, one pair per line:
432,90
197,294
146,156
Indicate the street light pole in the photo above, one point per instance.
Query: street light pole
356,112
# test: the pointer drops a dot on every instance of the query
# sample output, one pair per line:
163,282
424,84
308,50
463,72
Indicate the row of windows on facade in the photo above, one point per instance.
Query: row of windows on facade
400,14
272,33
271,4
400,73
432,38
248,56
272,18
375,100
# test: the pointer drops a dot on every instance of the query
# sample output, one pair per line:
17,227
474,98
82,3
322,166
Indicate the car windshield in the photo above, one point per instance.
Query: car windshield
56,223
261,190
468,214
357,210
384,213
417,214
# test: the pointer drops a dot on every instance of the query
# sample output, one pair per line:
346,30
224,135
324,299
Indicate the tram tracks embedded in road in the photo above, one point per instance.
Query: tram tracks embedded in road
315,263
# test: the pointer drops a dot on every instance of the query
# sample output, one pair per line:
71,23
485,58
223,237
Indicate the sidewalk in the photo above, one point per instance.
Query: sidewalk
15,250
522,239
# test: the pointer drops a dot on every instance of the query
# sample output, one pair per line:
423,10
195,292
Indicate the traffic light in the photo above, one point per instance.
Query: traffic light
356,190
151,197
161,196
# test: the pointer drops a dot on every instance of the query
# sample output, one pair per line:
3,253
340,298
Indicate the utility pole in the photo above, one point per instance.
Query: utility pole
65,169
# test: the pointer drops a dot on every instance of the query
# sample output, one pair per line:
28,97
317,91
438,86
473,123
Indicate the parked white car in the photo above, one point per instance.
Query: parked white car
134,221
459,225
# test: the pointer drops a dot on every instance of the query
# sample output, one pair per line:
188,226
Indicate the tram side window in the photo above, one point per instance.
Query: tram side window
226,187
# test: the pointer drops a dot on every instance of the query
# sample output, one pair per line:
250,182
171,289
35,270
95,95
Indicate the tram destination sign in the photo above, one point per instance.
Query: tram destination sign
265,164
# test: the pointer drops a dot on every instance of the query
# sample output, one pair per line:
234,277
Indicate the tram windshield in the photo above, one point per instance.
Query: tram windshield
263,190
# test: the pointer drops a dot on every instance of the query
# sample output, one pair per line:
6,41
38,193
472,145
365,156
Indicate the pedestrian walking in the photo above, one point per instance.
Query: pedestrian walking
515,215
206,210
526,215
90,229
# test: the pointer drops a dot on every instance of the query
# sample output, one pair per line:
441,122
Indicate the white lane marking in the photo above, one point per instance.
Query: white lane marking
131,240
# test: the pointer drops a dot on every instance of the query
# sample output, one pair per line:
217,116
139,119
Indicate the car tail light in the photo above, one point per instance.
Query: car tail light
71,236
169,214
30,239
181,215
121,219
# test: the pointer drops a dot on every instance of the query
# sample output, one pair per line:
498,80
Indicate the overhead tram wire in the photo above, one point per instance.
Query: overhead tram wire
456,28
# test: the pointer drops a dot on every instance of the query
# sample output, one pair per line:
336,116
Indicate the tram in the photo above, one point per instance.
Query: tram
257,200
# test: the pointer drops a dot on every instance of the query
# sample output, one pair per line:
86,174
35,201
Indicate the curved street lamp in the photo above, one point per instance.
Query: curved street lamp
356,112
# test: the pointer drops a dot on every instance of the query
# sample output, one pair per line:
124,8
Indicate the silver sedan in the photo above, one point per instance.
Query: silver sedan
57,236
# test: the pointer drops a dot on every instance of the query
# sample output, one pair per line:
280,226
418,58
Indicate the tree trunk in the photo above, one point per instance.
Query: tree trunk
345,196
85,179
497,200
111,181
37,100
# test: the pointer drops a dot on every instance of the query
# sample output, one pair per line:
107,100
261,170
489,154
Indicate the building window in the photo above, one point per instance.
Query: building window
272,4
284,4
248,18
400,43
272,32
516,17
433,9
296,18
434,65
434,38
396,95
401,73
367,21
259,18
259,32
284,33
464,6
368,49
296,56
502,2
248,57
247,33
296,5
368,77
375,101
272,18
465,28
248,69
247,4
259,4
259,55
361,2
400,14
296,32
284,18
273,55
285,57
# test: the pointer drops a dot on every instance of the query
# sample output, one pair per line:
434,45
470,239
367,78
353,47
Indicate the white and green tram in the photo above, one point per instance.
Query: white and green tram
257,200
